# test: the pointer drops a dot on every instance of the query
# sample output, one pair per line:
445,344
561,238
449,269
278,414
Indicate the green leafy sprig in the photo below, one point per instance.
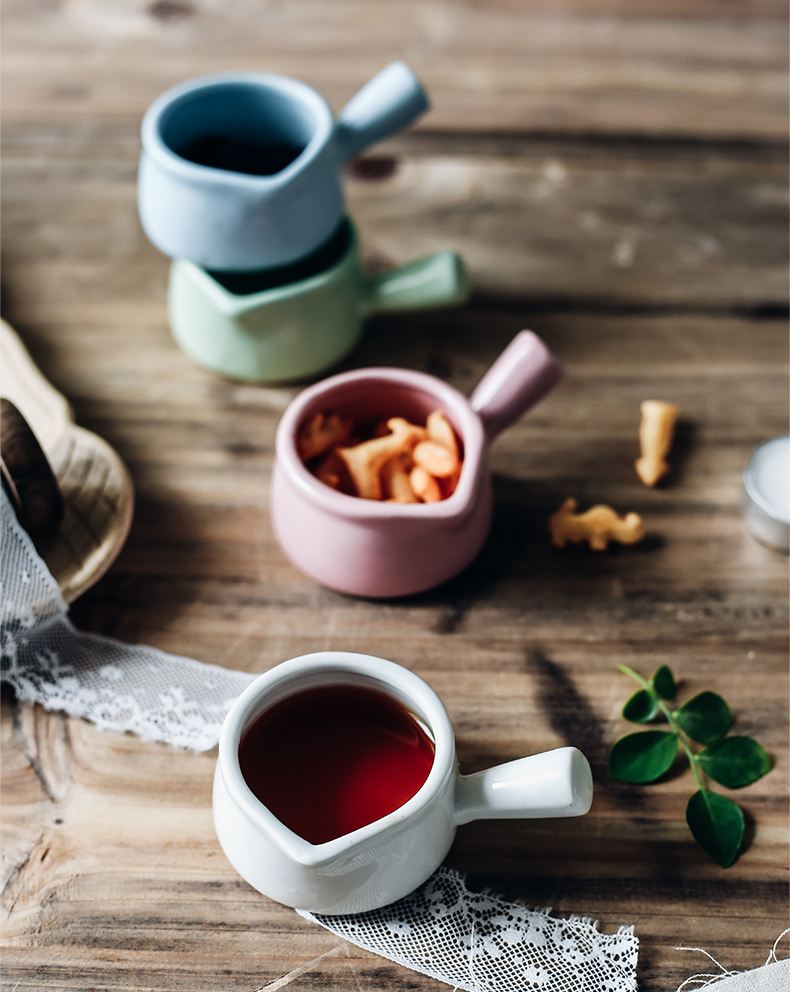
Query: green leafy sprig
716,822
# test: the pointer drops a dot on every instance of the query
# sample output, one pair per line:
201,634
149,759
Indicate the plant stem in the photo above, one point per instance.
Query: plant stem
670,720
635,676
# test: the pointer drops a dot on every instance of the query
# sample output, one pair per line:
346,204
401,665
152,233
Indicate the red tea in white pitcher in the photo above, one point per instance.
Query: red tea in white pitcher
328,760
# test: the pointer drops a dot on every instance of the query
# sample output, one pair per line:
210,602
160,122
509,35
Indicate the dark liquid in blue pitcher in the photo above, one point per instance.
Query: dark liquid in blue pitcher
237,155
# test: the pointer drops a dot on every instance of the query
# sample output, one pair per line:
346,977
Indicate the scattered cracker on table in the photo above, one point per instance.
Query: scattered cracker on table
599,525
655,439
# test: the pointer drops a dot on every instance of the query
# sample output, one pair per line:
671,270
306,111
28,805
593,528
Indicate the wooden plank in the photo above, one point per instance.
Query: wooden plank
133,871
560,68
522,648
606,225
595,224
614,171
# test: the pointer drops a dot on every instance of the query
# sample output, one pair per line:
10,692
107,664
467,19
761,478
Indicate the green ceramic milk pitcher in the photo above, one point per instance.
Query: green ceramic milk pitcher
293,323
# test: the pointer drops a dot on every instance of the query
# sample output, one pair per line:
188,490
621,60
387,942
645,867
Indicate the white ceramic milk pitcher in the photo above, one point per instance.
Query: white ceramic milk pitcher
384,860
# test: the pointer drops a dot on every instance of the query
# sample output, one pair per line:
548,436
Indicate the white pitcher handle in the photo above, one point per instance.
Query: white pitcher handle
553,783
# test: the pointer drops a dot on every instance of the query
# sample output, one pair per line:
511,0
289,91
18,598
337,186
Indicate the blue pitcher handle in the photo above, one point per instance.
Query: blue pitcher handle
389,102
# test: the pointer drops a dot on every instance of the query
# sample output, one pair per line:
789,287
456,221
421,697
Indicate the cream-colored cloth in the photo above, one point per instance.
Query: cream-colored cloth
774,976
770,978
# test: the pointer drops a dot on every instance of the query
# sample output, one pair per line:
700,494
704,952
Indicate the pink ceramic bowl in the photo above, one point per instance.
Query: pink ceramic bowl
378,549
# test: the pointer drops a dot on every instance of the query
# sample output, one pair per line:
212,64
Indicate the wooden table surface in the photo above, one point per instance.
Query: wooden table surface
614,173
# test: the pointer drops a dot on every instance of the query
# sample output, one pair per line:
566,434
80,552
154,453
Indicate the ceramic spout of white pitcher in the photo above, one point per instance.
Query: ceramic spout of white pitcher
388,858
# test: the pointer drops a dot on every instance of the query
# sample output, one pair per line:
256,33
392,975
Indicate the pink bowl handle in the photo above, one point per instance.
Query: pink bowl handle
522,375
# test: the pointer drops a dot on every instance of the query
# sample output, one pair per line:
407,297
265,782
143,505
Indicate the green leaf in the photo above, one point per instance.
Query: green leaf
664,682
734,761
717,825
641,707
643,757
705,718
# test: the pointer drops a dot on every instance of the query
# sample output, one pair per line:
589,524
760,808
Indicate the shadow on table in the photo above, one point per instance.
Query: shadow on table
523,575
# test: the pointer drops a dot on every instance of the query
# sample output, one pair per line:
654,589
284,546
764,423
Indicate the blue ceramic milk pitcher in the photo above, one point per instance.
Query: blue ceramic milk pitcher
242,171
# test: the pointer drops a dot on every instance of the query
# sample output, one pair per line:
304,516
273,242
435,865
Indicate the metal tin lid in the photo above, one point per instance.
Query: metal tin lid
766,496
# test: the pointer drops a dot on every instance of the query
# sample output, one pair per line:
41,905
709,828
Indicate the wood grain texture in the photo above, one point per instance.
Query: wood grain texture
537,221
615,175
522,649
550,67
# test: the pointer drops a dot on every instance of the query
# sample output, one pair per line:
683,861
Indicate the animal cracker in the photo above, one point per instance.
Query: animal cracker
655,439
598,526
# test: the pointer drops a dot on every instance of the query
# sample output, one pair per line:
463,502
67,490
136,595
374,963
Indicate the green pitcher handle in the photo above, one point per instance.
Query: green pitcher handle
438,280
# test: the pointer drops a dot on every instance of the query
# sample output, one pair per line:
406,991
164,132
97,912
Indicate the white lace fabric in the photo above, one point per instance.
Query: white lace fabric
481,943
117,686
472,941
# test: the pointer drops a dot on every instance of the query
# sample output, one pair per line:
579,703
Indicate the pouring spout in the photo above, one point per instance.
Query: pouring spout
553,783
